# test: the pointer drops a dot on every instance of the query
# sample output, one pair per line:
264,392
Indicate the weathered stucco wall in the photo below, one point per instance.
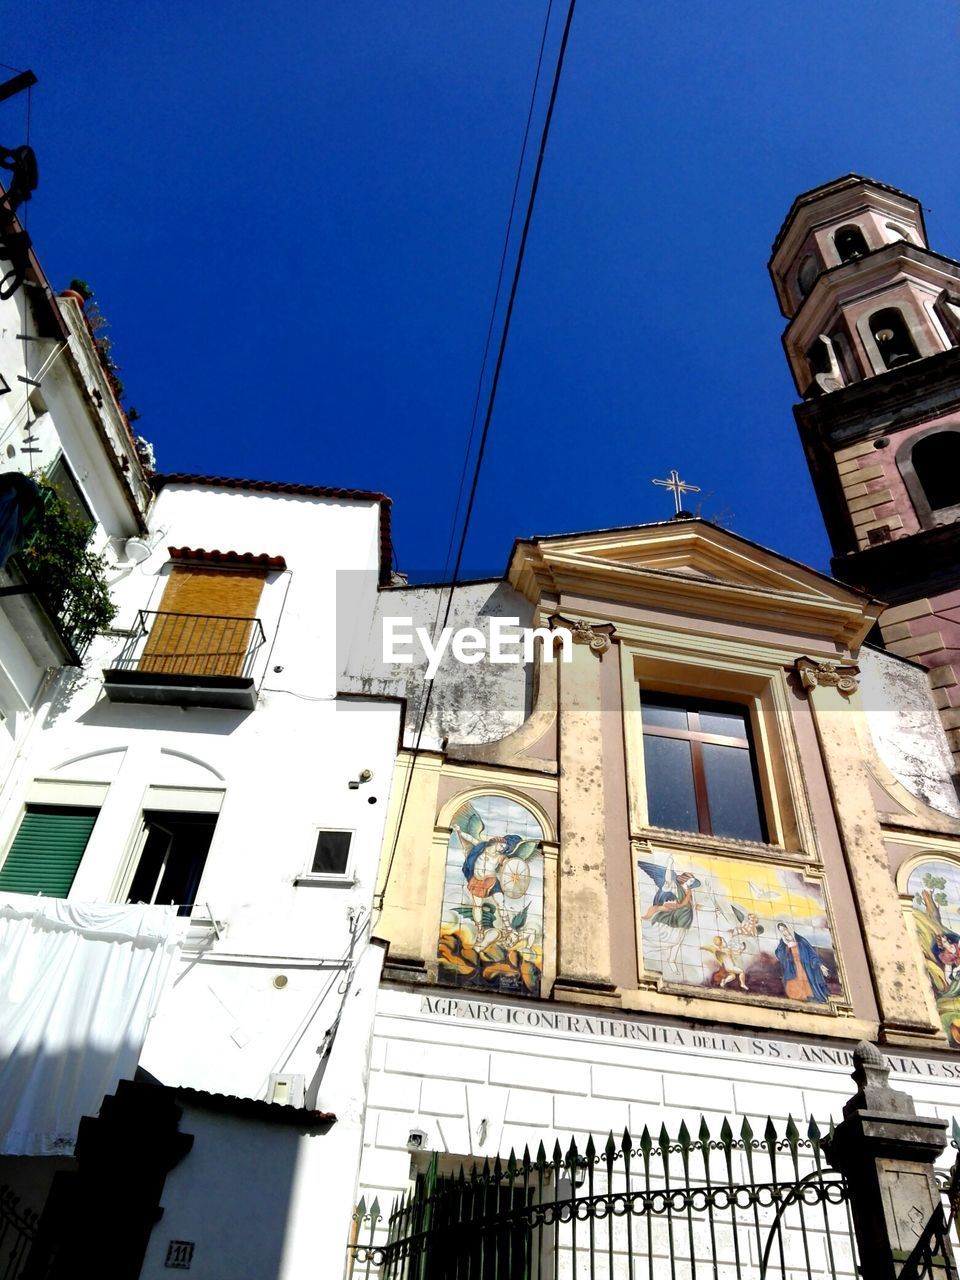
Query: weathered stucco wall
906,728
470,703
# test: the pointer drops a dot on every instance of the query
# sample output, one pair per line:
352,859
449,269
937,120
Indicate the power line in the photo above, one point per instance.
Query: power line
493,315
491,400
496,292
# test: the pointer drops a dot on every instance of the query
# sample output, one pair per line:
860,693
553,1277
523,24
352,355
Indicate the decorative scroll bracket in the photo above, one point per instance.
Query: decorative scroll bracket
828,674
599,636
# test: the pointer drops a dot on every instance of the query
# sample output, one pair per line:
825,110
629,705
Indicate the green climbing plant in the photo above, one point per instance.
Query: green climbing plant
70,579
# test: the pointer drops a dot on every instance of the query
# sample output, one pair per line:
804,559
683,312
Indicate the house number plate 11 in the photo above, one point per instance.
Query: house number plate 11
179,1254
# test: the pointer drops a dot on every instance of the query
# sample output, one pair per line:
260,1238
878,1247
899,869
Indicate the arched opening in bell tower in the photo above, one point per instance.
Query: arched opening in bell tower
936,463
850,244
894,343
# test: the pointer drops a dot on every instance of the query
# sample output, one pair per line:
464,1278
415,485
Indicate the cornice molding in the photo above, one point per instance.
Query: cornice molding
851,281
702,572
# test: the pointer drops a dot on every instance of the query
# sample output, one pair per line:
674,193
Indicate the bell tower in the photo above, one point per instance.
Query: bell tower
873,342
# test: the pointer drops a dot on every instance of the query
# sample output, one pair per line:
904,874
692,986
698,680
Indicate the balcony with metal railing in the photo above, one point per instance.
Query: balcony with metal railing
187,659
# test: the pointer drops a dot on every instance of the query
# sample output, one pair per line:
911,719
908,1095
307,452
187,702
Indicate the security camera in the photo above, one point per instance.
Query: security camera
416,1140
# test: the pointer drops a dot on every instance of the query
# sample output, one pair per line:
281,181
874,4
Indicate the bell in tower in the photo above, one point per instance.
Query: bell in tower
873,341
892,337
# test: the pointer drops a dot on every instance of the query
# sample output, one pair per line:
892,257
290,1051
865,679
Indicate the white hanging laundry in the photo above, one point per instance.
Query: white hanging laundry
79,983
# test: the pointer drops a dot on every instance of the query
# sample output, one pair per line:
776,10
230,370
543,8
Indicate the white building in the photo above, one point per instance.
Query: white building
60,422
203,758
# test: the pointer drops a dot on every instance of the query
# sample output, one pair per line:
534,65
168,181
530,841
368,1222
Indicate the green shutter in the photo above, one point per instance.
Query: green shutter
47,850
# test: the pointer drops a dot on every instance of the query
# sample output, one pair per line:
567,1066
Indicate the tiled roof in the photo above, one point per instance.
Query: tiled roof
160,481
254,1108
246,559
848,179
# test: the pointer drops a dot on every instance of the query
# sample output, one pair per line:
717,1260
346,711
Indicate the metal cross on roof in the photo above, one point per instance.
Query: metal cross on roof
678,487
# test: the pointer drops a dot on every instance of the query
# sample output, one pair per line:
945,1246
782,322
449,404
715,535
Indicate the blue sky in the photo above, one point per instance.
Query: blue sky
292,216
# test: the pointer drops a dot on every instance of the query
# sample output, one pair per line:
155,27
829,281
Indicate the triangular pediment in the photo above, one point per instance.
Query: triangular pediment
690,566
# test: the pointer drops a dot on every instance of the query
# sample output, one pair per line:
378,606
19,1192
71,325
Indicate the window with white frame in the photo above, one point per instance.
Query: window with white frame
172,858
331,859
168,852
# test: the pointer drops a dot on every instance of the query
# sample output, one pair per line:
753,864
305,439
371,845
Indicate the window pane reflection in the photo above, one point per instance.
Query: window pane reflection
731,792
732,724
671,798
662,715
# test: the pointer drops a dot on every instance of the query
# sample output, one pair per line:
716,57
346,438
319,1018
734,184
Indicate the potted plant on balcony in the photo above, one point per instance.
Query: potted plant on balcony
70,580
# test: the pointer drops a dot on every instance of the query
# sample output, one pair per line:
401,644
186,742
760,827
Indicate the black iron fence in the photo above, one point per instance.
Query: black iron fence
192,644
18,1230
718,1206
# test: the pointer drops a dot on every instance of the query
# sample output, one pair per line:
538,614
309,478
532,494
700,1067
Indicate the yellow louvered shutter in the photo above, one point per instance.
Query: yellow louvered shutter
204,622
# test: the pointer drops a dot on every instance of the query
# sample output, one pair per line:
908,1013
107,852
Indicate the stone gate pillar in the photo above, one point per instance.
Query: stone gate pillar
886,1153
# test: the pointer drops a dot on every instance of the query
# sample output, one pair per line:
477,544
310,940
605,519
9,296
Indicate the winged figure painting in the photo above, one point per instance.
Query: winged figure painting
742,924
494,868
670,915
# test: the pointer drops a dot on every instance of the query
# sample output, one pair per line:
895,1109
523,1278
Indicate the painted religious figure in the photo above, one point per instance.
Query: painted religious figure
934,888
491,931
746,928
801,969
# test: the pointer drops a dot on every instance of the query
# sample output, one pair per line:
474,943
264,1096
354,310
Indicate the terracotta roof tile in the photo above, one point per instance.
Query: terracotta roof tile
254,1108
247,559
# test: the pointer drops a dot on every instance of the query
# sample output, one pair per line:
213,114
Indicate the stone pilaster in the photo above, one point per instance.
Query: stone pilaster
835,704
584,954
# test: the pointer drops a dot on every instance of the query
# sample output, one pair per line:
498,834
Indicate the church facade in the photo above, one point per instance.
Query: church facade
680,875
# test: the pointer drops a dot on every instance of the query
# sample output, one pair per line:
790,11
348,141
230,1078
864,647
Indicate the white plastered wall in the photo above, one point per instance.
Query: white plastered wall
446,1075
276,774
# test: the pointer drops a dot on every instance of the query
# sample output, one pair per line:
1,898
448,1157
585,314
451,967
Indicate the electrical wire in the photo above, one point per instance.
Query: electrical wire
491,400
493,315
344,976
12,425
496,292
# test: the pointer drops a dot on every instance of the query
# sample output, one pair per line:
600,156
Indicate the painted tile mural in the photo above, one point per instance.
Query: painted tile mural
934,887
737,926
491,929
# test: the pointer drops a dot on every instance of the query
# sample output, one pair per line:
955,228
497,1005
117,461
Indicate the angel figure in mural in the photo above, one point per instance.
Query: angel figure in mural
671,913
743,924
728,955
495,868
800,967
